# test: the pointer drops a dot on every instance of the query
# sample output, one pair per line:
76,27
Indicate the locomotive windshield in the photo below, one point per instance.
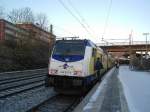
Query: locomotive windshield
69,48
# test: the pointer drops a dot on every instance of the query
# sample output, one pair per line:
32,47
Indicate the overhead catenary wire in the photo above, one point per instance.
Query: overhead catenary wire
118,39
107,18
80,15
75,17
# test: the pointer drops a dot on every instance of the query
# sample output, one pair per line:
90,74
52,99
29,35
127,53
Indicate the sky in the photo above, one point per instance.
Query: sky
110,19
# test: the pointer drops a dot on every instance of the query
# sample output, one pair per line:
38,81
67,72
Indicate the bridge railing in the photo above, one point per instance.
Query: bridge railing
123,43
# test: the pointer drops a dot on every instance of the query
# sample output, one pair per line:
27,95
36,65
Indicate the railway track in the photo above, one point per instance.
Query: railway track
19,74
12,83
24,87
58,103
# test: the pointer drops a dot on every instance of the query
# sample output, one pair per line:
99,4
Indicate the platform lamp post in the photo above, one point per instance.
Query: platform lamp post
130,52
146,34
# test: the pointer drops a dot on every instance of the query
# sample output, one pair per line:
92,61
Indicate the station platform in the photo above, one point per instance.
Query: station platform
106,96
117,92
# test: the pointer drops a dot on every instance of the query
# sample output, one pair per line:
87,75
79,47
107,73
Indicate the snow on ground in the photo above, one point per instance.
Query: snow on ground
136,85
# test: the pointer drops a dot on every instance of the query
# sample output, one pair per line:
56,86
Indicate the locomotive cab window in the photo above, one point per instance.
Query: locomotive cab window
69,48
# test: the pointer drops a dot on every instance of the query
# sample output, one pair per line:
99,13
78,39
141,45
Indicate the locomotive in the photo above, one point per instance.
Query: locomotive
71,65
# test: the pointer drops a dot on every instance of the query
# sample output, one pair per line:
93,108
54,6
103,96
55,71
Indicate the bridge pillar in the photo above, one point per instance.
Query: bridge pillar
141,58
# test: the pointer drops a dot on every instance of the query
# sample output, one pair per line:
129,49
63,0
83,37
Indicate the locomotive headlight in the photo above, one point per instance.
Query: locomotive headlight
53,71
78,72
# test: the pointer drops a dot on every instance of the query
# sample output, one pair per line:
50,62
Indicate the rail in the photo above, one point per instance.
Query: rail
13,83
65,103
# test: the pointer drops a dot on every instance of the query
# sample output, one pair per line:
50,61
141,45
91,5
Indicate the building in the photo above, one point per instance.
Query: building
38,33
9,31
2,30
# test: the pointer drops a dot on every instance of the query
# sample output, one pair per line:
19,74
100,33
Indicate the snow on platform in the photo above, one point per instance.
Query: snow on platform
121,90
105,96
136,86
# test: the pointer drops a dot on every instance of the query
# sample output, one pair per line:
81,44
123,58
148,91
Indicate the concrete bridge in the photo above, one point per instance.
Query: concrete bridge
124,49
137,46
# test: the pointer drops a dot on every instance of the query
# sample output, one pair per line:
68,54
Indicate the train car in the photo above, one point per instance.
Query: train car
110,61
71,65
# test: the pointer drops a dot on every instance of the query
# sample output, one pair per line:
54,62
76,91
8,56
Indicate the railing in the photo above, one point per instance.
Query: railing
123,43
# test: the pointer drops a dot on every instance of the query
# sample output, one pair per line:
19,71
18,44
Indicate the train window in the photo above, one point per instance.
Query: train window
69,49
93,52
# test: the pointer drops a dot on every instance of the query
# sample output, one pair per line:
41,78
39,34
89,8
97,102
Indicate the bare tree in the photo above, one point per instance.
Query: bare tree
23,15
27,15
2,13
42,21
